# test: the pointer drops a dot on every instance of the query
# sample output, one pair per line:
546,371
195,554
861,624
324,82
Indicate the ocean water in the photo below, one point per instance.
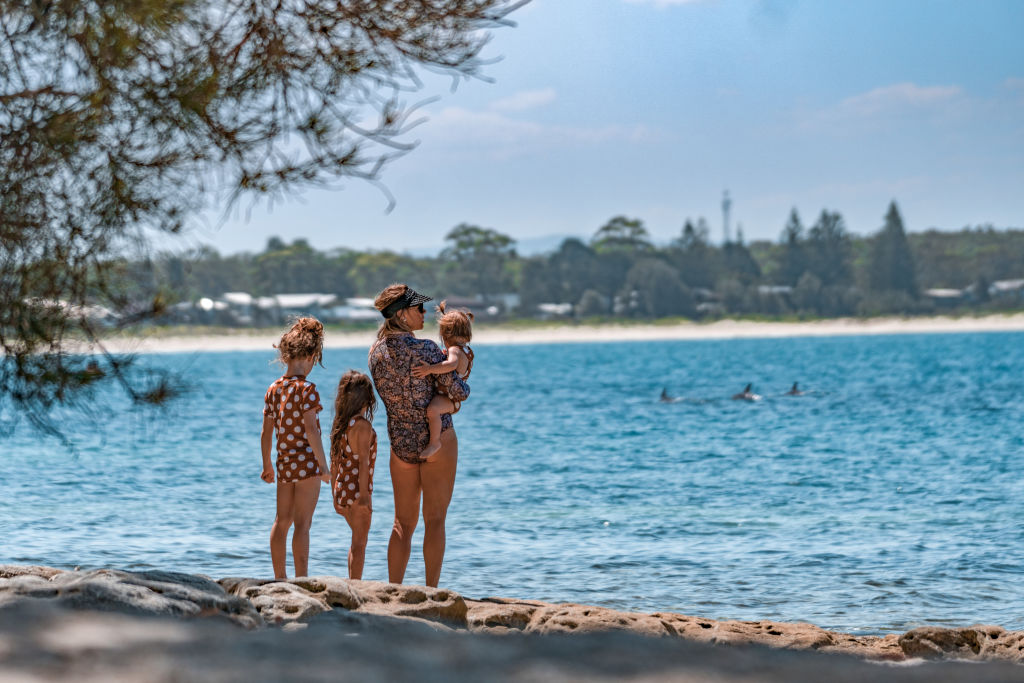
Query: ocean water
889,496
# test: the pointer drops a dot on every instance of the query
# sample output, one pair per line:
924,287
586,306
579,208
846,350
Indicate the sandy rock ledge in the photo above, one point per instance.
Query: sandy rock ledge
323,608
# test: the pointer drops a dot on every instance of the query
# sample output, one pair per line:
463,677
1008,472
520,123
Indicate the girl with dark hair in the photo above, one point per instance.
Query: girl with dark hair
353,456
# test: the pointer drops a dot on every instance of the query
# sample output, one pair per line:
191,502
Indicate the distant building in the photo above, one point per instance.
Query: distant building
946,298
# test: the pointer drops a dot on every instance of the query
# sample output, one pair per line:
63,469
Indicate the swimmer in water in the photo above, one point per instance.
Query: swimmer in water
794,390
746,395
665,398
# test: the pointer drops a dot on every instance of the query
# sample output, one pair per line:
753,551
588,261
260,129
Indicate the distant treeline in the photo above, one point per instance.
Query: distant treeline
821,270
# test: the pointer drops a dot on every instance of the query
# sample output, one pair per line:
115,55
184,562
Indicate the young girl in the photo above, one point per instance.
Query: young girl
353,455
456,328
290,411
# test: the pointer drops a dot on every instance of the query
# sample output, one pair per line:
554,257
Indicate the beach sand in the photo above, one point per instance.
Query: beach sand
484,334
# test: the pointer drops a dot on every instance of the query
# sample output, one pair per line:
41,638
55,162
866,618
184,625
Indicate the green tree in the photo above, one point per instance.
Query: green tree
830,251
653,289
123,117
478,261
794,254
891,267
693,257
622,234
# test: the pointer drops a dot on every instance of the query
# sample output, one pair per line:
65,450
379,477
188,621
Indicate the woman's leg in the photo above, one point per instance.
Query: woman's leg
439,405
279,531
405,479
438,481
307,493
358,519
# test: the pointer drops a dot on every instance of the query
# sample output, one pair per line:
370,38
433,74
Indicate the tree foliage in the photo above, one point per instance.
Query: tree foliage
123,117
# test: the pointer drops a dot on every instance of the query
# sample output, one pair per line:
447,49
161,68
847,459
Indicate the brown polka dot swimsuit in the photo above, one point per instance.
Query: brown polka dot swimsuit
345,466
287,400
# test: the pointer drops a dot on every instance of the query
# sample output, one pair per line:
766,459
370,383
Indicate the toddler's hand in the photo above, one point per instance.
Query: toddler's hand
421,370
267,476
326,477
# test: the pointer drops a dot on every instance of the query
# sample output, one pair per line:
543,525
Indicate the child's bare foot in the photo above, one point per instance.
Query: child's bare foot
432,448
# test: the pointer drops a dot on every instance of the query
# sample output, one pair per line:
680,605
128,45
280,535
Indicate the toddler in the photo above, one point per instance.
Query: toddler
456,328
290,411
353,455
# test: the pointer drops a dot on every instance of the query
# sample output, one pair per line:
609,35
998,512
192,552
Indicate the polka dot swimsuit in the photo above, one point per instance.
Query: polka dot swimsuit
287,400
345,463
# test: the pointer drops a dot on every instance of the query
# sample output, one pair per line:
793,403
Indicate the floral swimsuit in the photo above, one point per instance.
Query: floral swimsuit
406,397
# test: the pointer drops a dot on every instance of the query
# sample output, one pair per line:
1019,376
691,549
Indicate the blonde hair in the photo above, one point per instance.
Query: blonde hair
355,392
456,325
305,339
388,296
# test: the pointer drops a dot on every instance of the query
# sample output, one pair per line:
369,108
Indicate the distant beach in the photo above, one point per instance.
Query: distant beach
254,340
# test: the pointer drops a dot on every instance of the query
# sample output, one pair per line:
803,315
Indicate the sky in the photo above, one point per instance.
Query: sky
653,108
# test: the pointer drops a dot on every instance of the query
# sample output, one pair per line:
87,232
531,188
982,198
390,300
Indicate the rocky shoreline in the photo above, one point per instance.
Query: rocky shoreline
94,625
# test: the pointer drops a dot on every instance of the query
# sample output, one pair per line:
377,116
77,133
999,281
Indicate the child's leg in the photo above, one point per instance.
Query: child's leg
358,519
439,405
307,492
279,532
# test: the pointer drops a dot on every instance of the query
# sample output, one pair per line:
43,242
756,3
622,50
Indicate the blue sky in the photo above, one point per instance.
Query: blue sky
651,108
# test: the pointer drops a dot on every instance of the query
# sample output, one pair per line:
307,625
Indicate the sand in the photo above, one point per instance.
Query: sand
238,340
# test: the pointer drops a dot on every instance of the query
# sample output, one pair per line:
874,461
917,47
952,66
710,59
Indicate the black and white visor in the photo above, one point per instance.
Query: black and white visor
407,300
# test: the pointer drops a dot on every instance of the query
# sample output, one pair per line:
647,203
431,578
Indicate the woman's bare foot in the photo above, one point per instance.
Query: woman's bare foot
432,447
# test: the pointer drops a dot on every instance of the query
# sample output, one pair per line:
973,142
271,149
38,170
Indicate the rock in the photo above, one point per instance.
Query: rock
568,618
8,571
42,642
149,592
975,642
797,636
280,602
500,615
422,602
333,591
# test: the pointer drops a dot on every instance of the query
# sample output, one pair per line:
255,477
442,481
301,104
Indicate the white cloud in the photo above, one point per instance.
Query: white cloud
526,99
502,136
900,95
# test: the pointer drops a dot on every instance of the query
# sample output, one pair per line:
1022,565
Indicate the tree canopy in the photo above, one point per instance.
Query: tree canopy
119,118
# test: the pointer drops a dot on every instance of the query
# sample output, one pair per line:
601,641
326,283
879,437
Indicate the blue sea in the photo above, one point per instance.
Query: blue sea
886,497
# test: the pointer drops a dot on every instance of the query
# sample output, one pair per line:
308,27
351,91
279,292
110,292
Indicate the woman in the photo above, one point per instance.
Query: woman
405,399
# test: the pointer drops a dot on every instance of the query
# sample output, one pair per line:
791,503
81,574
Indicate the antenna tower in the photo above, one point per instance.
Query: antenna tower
726,205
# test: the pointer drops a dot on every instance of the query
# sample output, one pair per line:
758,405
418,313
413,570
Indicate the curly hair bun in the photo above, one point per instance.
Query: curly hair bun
305,339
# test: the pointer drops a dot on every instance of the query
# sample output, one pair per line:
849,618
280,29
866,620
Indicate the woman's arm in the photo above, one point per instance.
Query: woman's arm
266,443
360,437
313,436
455,355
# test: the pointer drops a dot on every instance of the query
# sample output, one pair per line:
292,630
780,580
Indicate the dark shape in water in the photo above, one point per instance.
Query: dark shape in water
794,390
746,394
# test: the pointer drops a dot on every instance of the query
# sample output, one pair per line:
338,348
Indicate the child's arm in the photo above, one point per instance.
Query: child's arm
455,354
266,443
313,436
361,436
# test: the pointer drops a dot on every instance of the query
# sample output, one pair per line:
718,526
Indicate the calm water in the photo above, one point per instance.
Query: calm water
889,496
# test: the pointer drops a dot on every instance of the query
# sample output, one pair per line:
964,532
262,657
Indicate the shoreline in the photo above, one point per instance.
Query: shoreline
338,606
260,340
